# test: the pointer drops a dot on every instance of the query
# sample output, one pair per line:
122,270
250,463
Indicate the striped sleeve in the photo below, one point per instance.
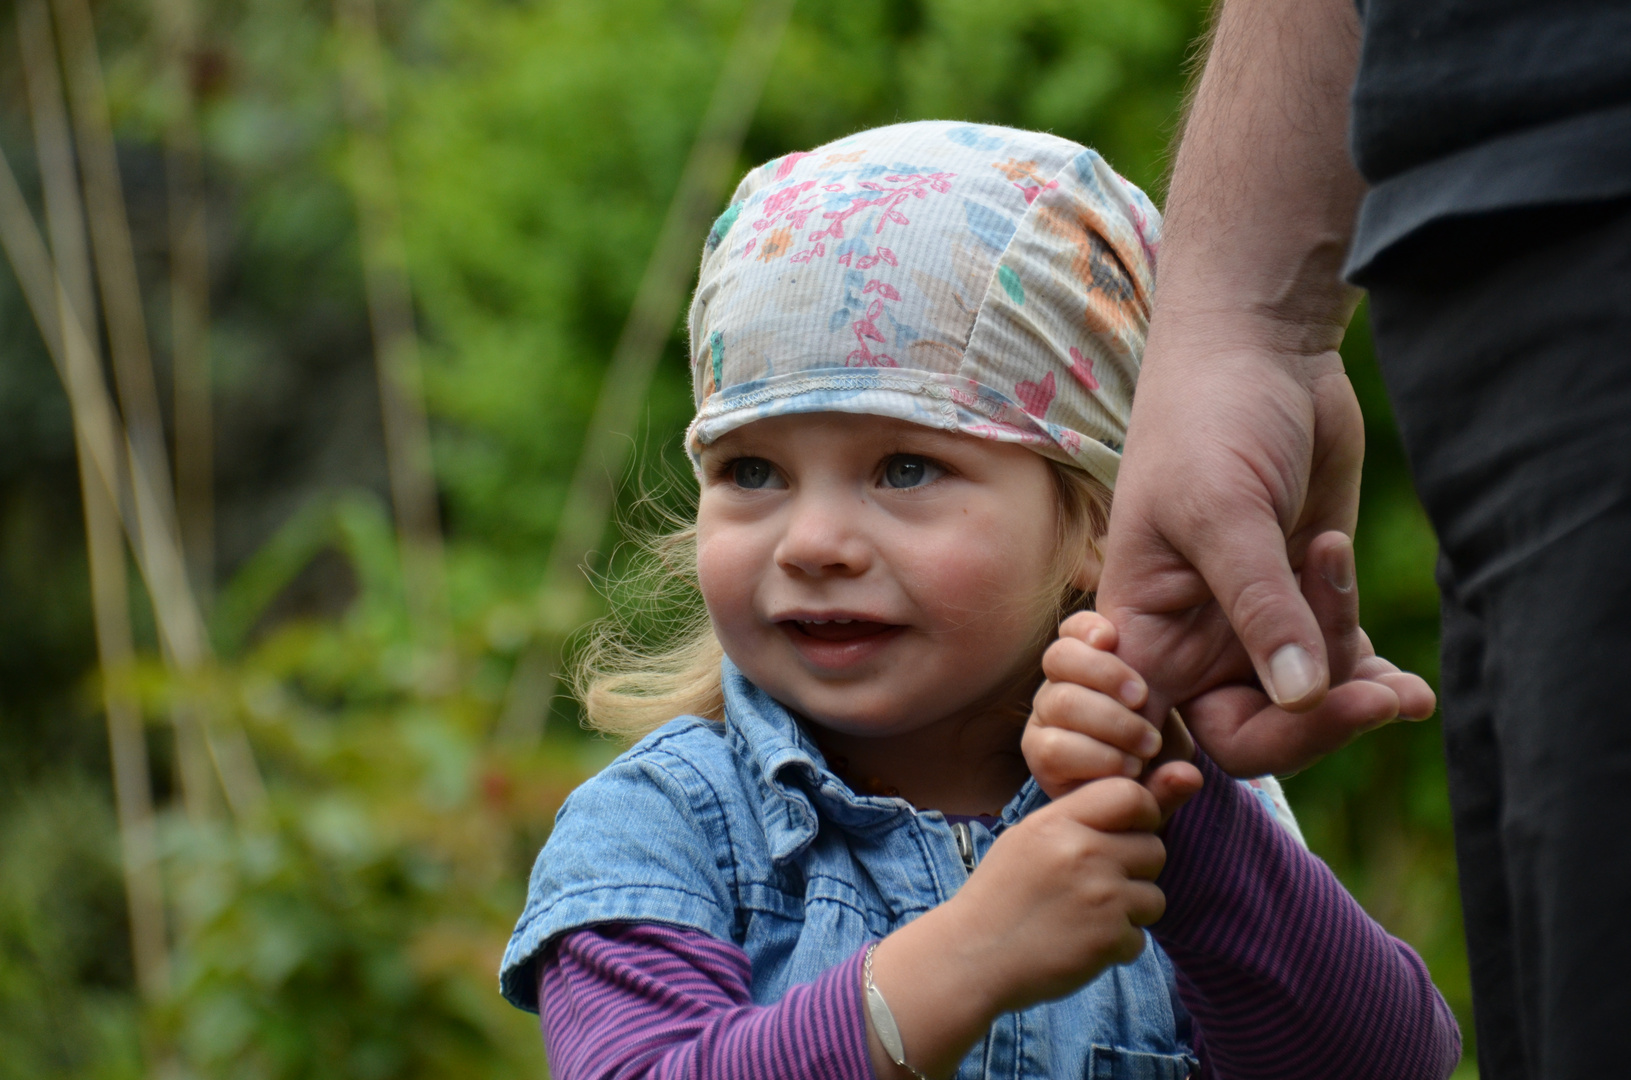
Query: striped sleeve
641,1000
1283,972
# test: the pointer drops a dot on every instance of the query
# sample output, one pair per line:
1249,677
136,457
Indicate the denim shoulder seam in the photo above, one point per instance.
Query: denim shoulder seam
532,916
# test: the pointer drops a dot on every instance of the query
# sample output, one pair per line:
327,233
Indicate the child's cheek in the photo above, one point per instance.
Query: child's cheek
726,574
992,572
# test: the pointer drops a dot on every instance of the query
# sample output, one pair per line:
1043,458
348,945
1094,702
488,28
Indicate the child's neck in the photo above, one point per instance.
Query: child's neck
960,765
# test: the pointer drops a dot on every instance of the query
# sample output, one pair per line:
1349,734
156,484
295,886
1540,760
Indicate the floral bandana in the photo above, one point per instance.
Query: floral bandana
976,279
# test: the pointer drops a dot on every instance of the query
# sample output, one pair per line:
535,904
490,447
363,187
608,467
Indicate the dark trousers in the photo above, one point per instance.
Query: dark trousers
1505,341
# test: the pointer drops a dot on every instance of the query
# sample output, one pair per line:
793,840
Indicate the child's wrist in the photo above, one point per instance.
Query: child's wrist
941,994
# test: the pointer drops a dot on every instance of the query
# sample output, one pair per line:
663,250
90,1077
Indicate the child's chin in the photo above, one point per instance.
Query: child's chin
859,719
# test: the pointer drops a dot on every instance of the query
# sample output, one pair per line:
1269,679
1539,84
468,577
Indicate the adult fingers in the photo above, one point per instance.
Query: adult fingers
1329,586
1416,699
1246,735
1243,559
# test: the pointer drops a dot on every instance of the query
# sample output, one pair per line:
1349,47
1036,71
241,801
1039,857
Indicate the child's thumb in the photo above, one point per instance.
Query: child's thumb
1113,804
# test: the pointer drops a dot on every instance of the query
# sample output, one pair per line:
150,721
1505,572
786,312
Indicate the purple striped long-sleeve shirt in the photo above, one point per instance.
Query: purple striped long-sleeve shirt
1284,974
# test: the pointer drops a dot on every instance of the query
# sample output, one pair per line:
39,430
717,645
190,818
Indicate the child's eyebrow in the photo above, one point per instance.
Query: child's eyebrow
731,444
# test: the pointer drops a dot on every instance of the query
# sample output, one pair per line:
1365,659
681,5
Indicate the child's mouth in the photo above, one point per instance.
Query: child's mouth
838,629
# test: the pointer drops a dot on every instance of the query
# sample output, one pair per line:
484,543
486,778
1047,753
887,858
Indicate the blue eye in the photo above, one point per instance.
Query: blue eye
910,471
753,473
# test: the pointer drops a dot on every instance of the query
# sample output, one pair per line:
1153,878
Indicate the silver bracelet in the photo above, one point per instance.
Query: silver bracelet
883,1021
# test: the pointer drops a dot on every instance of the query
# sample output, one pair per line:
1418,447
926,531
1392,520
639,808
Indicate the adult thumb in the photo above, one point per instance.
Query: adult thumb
1250,575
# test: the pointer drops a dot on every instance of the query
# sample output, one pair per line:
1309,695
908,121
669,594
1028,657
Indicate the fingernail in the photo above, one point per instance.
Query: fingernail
1131,767
1341,576
1132,693
1149,744
1292,675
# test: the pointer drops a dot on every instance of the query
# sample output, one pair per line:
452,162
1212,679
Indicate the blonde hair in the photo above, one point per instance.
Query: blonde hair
654,656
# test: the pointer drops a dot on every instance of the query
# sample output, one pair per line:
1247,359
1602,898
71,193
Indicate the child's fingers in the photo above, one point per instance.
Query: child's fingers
1088,712
1139,855
1062,760
1113,804
1173,783
1092,629
1072,660
1146,903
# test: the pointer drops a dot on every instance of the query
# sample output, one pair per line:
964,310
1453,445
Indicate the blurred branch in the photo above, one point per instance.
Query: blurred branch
565,595
127,745
189,299
110,597
60,299
112,248
396,341
126,320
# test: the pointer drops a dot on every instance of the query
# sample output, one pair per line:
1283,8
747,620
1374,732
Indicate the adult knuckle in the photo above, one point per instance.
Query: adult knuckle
1257,607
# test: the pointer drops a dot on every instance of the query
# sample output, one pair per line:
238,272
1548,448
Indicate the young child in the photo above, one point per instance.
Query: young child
914,353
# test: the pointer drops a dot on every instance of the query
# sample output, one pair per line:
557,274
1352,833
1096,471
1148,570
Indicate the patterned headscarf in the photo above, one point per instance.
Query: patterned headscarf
969,278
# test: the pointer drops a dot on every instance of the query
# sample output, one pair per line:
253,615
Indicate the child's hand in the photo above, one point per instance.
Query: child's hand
1084,726
1058,898
1070,887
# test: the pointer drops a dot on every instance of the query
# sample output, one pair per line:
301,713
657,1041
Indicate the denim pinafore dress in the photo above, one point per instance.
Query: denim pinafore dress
740,830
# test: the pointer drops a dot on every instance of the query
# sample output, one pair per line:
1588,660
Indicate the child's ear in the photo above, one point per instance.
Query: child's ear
1086,577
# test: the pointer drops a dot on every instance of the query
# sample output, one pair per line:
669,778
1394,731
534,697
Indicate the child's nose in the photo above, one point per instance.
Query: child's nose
824,536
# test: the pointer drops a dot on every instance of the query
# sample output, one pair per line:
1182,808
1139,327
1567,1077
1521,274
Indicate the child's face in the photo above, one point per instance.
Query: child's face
936,547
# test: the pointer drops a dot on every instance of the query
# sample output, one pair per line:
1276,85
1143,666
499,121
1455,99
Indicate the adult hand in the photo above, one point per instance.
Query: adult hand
1248,735
1245,440
1240,472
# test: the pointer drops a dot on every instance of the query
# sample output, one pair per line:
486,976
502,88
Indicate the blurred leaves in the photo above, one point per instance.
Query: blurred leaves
355,930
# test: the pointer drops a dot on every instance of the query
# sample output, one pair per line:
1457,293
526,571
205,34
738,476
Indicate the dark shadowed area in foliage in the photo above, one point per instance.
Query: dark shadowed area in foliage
351,925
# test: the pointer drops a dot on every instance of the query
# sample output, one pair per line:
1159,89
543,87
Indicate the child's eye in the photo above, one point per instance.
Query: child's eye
754,473
910,471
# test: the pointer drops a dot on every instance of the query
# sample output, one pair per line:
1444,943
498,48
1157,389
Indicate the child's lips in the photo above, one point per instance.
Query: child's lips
838,643
838,629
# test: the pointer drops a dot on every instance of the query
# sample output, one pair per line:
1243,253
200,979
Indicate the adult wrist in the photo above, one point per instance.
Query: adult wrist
1287,302
1205,332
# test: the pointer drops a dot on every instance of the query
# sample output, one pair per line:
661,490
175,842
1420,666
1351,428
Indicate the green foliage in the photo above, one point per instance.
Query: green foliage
65,1002
353,929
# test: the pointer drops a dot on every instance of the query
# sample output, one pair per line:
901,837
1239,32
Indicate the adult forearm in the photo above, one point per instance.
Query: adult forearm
1264,195
1246,441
